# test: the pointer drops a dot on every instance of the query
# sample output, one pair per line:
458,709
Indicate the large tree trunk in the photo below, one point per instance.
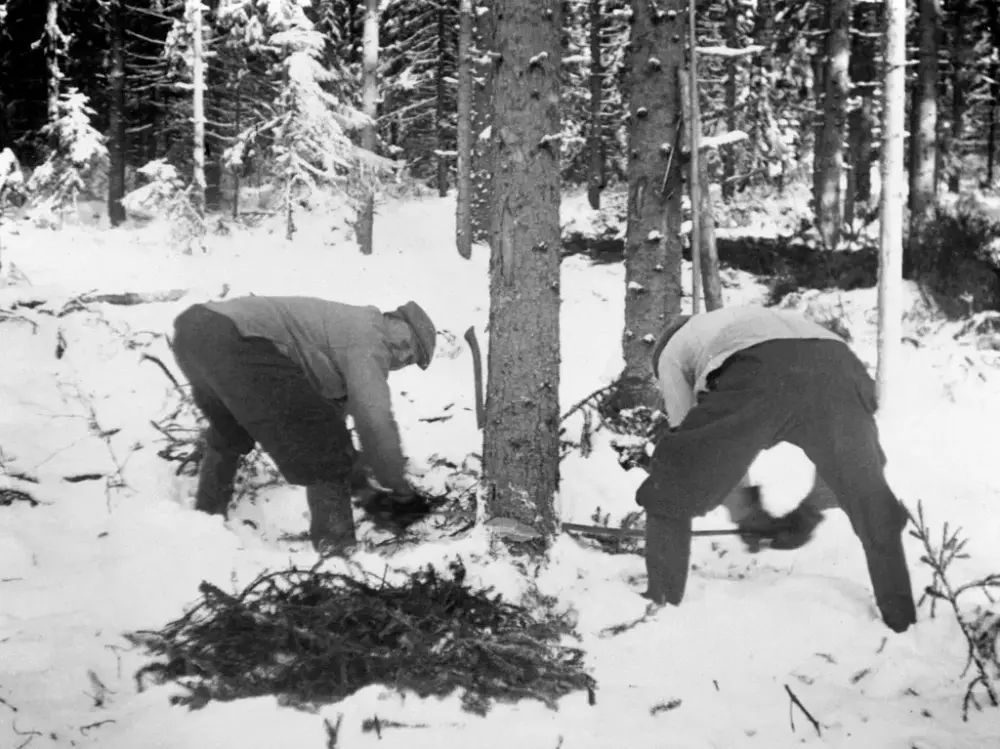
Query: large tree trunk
369,105
861,123
830,149
116,114
440,108
890,300
652,243
463,205
521,437
923,187
482,119
732,122
595,145
198,104
960,57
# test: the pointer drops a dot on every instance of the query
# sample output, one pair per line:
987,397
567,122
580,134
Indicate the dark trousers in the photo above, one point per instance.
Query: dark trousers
814,394
252,393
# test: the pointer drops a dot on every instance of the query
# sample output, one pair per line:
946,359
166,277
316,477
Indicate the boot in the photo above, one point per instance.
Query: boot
215,481
331,515
668,557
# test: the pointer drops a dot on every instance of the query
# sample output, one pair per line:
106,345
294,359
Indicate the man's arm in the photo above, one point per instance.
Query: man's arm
678,392
369,401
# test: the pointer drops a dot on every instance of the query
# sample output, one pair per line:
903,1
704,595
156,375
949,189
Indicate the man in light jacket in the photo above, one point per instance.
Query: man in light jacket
739,380
285,372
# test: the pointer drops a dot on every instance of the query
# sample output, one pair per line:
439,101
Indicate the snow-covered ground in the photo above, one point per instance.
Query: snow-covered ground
125,551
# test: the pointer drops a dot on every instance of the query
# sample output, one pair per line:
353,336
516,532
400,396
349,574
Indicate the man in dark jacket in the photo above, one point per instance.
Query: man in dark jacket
740,380
285,372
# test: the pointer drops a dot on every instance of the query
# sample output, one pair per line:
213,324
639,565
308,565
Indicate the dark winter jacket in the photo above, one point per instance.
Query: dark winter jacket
344,351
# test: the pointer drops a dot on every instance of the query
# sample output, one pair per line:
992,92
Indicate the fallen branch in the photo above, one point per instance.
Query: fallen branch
798,703
581,404
979,634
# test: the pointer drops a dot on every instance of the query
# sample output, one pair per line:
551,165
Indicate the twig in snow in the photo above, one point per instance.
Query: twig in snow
7,704
665,707
798,703
166,371
30,734
577,406
98,724
332,730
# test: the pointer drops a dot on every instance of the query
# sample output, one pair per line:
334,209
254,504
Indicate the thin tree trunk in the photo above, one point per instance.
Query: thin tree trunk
991,143
116,115
238,117
482,119
707,257
890,300
440,110
595,146
732,122
463,206
198,105
923,187
861,122
830,149
652,240
521,435
369,106
960,52
53,51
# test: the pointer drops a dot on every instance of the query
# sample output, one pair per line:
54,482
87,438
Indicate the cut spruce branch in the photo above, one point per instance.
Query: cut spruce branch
979,630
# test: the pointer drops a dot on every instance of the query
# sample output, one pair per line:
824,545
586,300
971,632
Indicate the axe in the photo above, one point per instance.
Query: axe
477,372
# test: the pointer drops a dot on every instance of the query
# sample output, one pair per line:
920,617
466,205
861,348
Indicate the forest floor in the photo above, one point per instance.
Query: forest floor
111,544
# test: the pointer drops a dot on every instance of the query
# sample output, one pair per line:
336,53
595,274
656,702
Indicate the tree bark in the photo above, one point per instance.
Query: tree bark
195,10
732,122
595,146
116,115
53,51
463,205
440,108
960,56
521,435
369,106
652,243
861,122
890,301
991,142
923,187
830,149
482,119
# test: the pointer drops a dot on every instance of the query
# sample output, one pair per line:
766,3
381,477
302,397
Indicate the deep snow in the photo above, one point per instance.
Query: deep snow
96,559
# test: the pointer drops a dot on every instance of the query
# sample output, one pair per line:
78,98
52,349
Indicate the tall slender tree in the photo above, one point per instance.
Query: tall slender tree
521,435
369,106
463,205
923,170
652,240
890,301
116,113
595,140
829,164
195,11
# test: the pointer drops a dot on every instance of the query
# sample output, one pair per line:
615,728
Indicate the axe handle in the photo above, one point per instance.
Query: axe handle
477,371
595,530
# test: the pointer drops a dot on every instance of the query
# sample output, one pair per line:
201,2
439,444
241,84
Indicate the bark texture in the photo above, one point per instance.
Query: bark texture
521,435
655,184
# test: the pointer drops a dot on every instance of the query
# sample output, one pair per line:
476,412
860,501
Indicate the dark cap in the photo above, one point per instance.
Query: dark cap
669,331
425,334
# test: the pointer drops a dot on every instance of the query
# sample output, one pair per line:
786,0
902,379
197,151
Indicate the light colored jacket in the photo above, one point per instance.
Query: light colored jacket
345,354
705,341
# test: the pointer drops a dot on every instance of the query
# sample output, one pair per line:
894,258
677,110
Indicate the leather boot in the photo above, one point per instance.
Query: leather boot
215,481
331,515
